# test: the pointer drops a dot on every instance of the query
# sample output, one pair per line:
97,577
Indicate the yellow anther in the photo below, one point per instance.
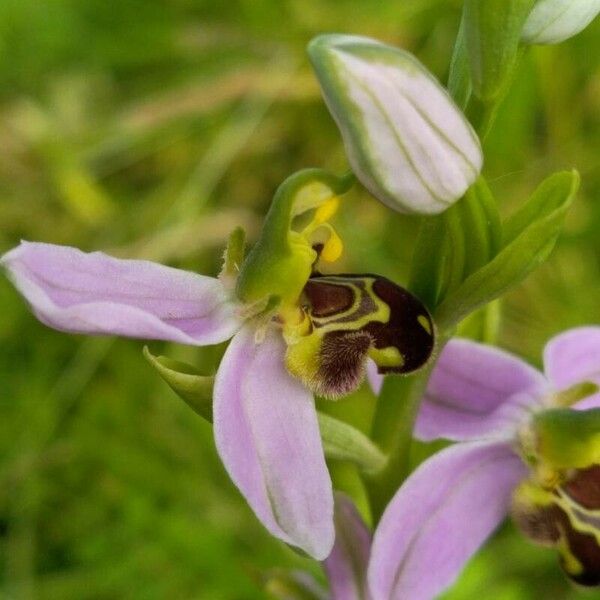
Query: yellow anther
326,211
333,247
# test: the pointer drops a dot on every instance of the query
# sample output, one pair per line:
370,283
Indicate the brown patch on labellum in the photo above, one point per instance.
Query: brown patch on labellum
584,487
551,525
538,523
343,352
584,547
327,299
403,331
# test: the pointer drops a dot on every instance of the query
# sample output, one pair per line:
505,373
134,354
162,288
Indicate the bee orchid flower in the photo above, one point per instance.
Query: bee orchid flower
528,443
294,332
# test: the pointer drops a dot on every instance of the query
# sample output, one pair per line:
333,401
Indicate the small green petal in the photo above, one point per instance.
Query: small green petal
186,382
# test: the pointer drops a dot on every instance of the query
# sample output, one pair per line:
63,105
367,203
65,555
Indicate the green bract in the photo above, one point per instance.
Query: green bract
528,238
405,138
340,440
553,21
185,380
492,31
451,247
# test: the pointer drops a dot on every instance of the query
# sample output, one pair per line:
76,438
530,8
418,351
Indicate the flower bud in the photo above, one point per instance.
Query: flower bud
553,21
406,140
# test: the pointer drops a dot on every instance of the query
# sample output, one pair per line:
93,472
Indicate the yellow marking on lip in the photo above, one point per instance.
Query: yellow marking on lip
571,563
387,357
425,324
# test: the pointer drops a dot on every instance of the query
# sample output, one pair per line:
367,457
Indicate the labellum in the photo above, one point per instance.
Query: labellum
566,518
347,318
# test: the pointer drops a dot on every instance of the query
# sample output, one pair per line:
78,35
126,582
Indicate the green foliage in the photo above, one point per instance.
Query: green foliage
341,441
530,237
186,116
492,30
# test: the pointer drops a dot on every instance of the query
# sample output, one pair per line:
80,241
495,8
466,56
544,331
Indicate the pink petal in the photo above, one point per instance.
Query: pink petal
94,293
592,401
374,378
439,518
573,357
346,566
477,391
267,435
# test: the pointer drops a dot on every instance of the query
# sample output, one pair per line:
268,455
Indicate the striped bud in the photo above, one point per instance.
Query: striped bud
406,140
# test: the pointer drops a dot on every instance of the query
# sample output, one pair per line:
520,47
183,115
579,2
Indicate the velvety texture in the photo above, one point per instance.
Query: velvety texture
267,435
77,292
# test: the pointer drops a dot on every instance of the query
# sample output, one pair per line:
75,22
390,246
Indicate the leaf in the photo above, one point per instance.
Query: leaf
492,33
454,245
428,261
481,225
186,382
531,246
406,140
455,251
549,196
343,442
459,79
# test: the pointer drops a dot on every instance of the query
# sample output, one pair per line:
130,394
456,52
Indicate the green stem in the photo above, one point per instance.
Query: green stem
395,415
405,393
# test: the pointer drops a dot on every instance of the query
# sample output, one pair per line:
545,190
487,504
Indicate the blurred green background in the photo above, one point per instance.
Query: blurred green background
150,128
